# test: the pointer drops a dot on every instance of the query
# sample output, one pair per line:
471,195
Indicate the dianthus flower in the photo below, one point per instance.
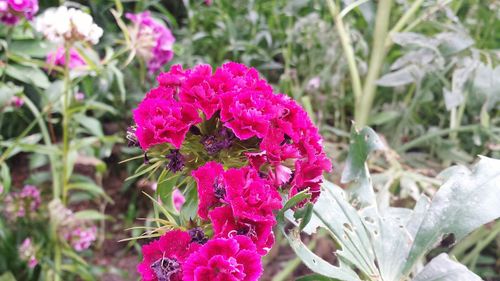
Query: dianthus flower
61,25
23,203
11,11
224,259
163,259
152,41
78,233
58,58
80,238
164,121
247,149
27,253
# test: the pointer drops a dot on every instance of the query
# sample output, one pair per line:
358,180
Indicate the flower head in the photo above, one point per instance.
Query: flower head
163,121
61,25
246,147
211,189
80,238
58,58
227,224
27,253
163,258
224,259
12,11
23,203
151,40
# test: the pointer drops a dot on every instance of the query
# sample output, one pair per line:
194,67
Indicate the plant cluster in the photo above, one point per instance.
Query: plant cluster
243,146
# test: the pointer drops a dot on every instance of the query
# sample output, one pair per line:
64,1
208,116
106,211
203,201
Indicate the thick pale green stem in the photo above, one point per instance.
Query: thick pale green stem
363,108
65,151
346,43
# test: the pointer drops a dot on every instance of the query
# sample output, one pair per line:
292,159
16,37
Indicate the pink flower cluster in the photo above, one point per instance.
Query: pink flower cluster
22,204
80,238
151,40
243,144
58,58
189,259
11,11
27,253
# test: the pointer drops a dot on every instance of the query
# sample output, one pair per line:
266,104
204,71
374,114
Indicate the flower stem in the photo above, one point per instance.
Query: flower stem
56,187
346,43
431,135
364,104
65,124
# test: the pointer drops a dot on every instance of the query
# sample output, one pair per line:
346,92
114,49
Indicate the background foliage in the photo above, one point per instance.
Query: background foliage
424,74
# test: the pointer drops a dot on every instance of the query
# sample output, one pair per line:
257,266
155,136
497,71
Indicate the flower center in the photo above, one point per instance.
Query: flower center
219,189
248,230
176,162
165,268
223,139
197,235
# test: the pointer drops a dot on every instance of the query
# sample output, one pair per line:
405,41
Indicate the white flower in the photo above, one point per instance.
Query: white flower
63,24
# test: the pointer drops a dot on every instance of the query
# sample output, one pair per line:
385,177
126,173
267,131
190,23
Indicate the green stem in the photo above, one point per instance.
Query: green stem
428,13
346,43
471,258
56,188
363,107
8,39
460,114
65,124
403,21
432,135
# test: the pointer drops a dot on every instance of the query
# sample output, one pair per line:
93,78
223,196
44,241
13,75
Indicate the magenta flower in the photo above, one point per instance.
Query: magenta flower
173,78
58,58
12,11
151,40
163,121
252,150
163,259
197,90
249,195
231,259
226,224
308,176
211,189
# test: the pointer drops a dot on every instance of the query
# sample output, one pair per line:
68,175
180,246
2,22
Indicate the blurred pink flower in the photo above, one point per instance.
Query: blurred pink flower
17,101
12,11
152,40
80,238
23,203
79,96
179,199
27,253
58,58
